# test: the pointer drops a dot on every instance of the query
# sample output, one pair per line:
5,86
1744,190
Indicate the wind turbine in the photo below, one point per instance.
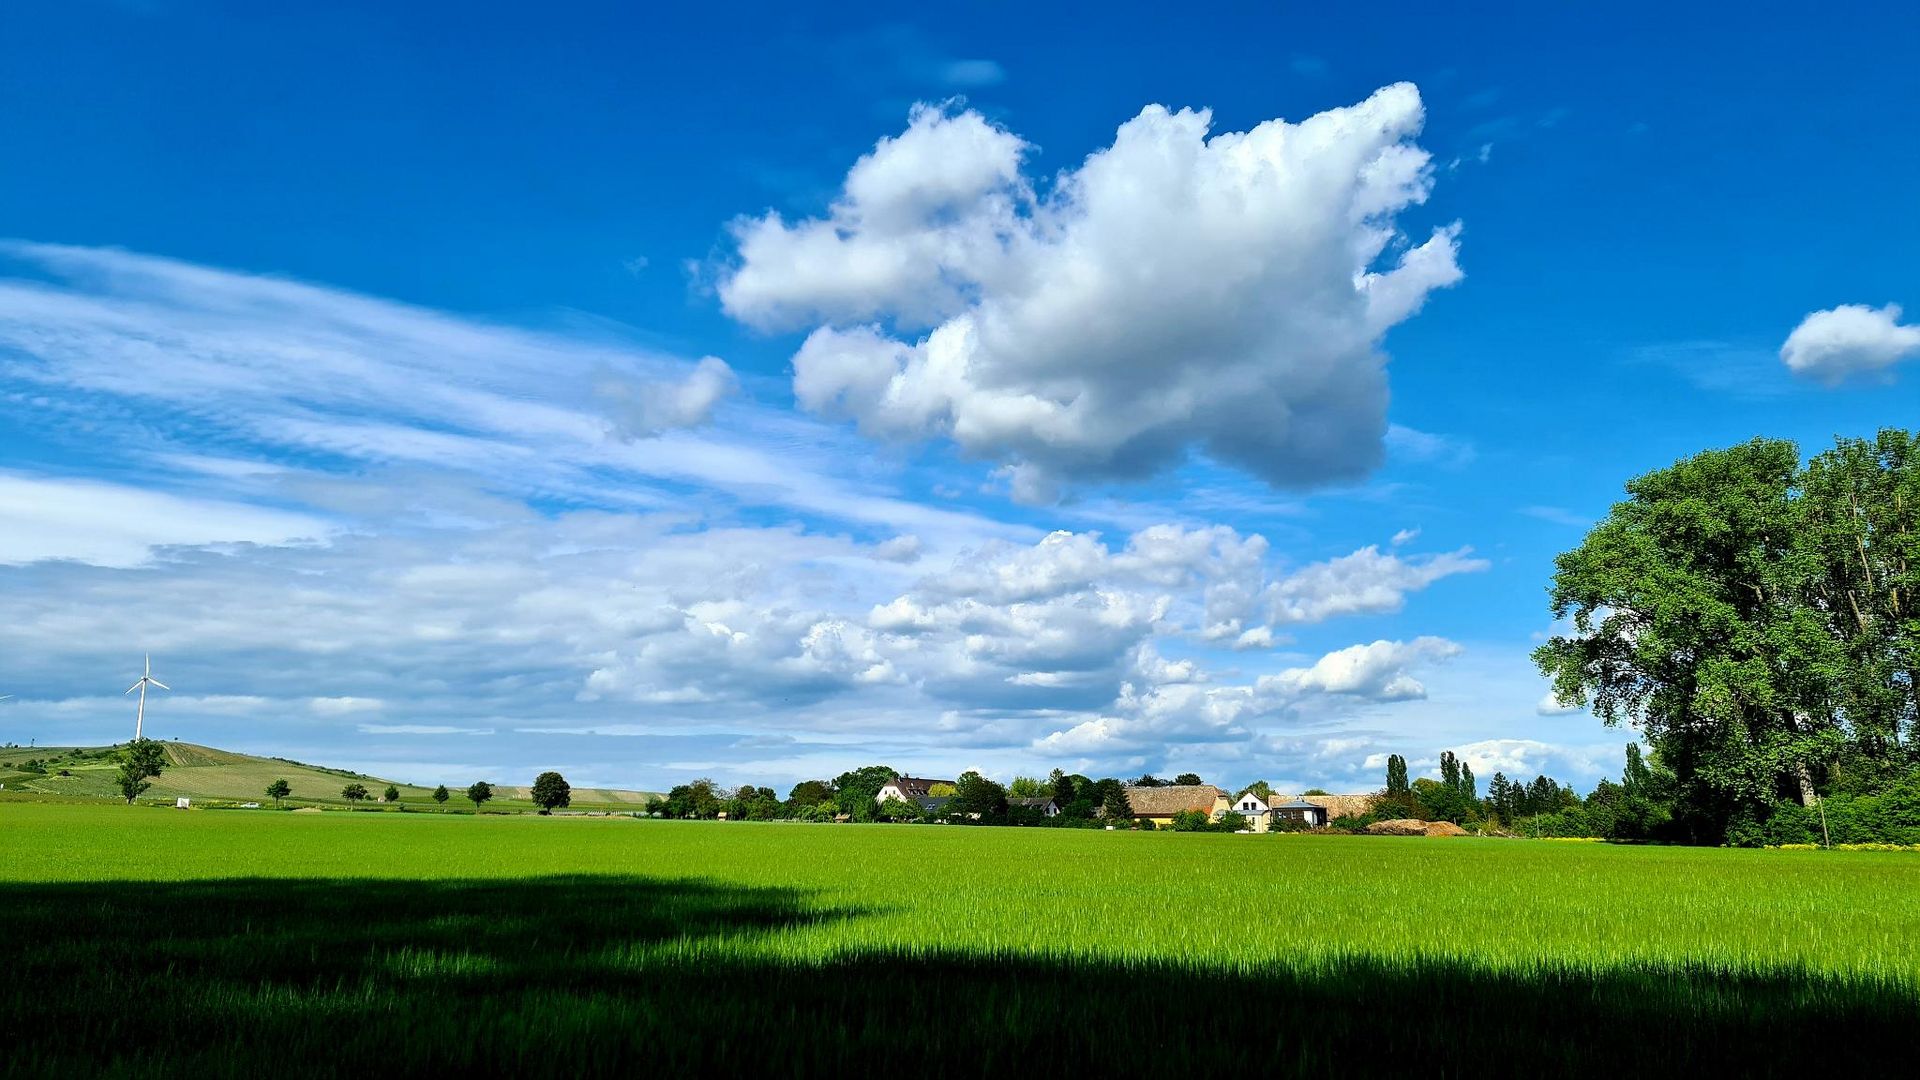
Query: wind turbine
146,677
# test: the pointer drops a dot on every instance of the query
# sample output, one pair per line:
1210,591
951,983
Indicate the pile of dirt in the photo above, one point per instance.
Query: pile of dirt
1415,827
1398,827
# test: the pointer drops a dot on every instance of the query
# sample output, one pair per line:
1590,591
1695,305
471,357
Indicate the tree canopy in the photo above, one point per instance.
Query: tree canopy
975,794
1756,619
855,791
551,791
140,763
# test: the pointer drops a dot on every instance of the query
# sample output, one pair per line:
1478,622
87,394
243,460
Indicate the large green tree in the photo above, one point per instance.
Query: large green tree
978,797
140,762
855,792
810,793
1862,519
551,792
1755,619
1396,775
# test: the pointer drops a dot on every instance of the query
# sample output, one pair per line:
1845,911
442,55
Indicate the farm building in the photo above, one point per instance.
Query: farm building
1300,809
1047,807
909,788
1159,804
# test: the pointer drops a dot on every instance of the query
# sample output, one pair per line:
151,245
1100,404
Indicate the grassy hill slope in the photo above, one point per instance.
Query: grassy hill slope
211,776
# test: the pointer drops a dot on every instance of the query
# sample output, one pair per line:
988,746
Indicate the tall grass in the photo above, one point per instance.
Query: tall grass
196,942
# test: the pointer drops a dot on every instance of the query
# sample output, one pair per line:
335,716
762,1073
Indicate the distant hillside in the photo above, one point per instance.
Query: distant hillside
207,775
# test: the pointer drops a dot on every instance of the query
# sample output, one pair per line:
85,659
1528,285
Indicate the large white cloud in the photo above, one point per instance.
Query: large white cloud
1174,291
1377,671
1849,341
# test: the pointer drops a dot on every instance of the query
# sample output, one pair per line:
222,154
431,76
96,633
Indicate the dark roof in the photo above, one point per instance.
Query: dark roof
1298,804
915,787
932,803
1039,803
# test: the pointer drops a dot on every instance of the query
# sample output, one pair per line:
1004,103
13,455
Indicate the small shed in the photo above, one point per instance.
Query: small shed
182,803
1313,814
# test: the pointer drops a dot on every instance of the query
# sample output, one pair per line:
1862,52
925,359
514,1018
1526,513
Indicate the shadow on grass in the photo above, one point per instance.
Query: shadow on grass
592,975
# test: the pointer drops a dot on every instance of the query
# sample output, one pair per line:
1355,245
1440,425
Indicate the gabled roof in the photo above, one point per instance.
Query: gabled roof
1172,799
932,804
916,787
1298,804
1036,803
1340,805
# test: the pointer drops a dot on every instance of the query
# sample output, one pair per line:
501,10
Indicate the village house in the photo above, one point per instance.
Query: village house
1160,804
1299,809
1047,807
910,788
1251,806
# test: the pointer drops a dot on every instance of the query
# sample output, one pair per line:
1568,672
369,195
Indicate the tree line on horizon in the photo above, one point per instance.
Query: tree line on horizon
854,796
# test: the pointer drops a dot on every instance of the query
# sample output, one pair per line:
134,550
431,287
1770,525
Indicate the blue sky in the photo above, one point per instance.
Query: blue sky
469,390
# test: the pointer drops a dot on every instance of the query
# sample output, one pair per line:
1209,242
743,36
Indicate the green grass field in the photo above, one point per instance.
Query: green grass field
222,777
155,942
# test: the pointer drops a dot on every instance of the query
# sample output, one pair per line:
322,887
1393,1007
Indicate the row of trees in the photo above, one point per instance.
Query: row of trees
143,760
1638,807
854,796
550,792
1758,620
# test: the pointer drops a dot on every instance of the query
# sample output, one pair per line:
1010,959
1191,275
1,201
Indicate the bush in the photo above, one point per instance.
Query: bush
1890,817
1191,821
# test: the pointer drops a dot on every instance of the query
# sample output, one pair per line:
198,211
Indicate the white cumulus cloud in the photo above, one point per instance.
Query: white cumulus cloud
1852,340
1175,291
1377,671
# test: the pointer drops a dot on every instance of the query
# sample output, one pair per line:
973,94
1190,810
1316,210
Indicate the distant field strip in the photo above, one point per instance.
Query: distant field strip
1529,949
204,774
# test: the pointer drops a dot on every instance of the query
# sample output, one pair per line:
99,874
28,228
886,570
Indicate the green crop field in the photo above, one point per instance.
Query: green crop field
156,942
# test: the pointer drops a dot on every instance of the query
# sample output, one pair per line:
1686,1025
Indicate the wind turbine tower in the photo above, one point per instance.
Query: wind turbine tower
146,679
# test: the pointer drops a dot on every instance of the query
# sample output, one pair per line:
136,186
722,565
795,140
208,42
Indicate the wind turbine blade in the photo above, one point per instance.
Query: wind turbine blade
160,684
134,687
